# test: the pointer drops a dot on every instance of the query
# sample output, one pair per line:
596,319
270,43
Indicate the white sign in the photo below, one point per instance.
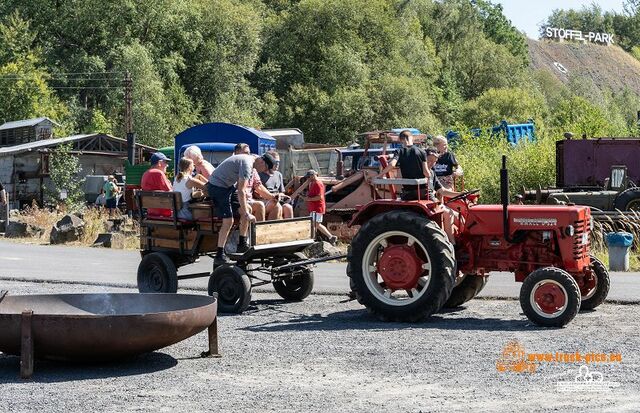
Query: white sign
578,35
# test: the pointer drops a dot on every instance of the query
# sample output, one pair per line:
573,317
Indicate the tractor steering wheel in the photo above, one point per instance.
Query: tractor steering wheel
463,195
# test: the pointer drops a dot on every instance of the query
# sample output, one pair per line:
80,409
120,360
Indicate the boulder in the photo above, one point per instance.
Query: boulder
321,249
69,228
108,239
18,229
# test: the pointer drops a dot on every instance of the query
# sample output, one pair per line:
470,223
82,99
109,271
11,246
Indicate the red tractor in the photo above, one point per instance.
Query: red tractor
403,267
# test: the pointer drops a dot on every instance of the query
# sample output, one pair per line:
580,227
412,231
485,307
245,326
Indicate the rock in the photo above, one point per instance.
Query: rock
321,249
108,239
69,228
17,229
114,224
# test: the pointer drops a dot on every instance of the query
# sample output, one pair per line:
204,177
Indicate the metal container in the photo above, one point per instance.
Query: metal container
103,326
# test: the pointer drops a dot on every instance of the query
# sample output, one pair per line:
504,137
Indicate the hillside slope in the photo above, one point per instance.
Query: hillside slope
608,66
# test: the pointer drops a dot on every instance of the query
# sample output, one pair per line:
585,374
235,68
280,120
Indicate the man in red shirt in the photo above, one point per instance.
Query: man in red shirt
155,179
316,205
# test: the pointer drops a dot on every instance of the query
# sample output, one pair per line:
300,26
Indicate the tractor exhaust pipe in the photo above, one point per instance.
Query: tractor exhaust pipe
504,198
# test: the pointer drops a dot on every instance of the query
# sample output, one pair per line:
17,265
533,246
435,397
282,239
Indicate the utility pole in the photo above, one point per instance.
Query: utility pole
128,117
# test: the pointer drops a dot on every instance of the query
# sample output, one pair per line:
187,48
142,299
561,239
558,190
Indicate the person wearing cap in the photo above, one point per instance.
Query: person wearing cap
201,165
155,179
227,188
111,191
316,204
258,208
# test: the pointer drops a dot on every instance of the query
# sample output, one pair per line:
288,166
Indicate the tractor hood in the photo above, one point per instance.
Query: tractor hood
527,217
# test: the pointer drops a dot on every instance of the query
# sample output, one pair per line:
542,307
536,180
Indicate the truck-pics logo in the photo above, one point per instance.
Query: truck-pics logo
536,222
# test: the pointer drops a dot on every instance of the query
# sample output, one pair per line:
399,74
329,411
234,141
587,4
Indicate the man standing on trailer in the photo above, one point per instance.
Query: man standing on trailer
227,189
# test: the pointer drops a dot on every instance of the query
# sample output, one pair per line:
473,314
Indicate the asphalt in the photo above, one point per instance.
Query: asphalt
100,266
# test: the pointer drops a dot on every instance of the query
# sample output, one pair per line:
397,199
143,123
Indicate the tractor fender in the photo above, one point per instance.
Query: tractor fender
368,211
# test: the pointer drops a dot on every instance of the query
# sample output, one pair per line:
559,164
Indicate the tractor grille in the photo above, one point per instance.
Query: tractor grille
581,248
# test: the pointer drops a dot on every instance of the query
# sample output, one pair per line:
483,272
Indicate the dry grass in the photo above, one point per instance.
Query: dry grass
626,224
95,223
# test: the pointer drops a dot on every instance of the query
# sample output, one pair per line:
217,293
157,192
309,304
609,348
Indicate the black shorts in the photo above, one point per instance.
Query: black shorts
225,200
410,193
111,203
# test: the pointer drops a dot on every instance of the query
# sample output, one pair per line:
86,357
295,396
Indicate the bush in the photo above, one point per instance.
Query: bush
529,163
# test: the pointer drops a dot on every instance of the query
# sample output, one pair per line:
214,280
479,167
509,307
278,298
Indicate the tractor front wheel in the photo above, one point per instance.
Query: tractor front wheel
595,288
550,297
401,266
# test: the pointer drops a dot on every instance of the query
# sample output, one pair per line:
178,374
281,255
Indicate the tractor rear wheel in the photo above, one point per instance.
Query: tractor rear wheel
595,288
401,266
550,297
468,289
233,287
157,274
628,200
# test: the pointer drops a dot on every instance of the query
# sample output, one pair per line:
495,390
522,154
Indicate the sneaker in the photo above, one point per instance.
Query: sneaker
241,249
333,240
218,261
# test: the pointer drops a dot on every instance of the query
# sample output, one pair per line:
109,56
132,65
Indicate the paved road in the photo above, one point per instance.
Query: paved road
116,267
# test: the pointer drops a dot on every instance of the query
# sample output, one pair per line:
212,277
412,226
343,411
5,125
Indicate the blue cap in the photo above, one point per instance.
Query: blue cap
157,157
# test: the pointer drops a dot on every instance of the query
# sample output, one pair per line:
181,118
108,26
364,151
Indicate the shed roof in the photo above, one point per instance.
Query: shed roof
24,123
31,146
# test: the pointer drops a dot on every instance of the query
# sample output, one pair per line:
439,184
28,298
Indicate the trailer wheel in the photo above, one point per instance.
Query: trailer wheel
468,289
298,287
233,287
628,200
401,266
550,297
595,288
157,274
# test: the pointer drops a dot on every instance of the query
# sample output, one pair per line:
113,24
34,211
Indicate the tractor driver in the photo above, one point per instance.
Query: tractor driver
416,163
412,161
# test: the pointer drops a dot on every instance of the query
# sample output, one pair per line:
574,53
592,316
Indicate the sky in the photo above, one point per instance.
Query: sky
526,15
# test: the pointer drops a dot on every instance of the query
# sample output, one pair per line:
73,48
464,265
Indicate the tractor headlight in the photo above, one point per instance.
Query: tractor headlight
570,230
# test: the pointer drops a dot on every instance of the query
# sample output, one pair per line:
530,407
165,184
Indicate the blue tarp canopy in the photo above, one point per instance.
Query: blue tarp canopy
219,132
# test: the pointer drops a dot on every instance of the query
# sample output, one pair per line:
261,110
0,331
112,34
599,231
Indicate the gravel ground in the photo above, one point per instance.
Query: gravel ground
323,355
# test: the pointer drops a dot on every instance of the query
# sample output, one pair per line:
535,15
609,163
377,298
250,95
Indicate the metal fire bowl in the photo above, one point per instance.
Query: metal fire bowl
103,326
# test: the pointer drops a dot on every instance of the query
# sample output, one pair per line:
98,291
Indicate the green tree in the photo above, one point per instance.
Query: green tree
515,105
499,29
158,113
23,80
338,67
64,168
579,116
